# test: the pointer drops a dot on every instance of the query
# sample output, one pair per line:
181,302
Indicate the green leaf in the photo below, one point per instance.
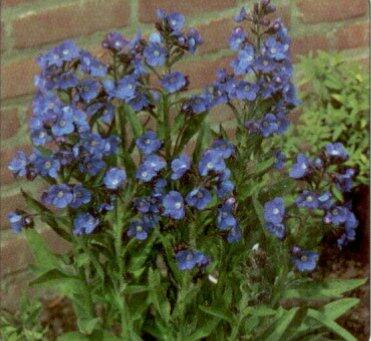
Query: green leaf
44,259
73,336
331,288
330,324
276,331
205,330
134,121
218,312
338,308
135,289
258,208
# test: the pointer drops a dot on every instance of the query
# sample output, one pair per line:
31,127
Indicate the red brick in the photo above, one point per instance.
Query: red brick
215,35
16,255
202,73
147,9
331,10
2,37
18,77
306,44
9,123
69,20
8,204
353,36
10,3
7,155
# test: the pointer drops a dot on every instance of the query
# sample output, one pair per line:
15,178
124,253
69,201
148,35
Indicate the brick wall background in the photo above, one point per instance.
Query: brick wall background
29,27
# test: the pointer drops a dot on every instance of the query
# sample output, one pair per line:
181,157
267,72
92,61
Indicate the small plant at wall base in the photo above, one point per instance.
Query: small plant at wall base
335,107
177,232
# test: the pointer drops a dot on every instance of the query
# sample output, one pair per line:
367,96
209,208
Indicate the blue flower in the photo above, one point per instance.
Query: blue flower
46,165
84,223
234,235
224,188
64,124
307,199
19,164
173,82
305,261
193,40
173,205
155,162
275,50
337,215
155,54
196,105
126,88
188,259
91,65
81,196
350,227
225,218
277,230
274,211
336,151
269,125
89,89
345,181
244,61
138,229
65,52
241,16
211,161
176,21
148,143
224,147
280,160
17,221
114,41
301,168
199,198
59,196
246,91
114,178
325,200
179,166
237,38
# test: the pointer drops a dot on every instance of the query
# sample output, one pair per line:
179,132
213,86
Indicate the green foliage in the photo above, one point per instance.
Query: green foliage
335,95
23,326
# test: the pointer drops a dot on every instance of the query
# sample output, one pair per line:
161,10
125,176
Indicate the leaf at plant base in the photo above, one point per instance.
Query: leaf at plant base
134,121
331,324
276,331
218,312
330,288
44,259
338,308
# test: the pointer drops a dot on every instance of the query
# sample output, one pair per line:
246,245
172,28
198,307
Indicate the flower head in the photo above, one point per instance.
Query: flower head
173,205
212,161
277,230
138,229
336,151
59,196
18,220
180,166
173,82
188,259
19,164
304,261
307,199
114,178
84,223
81,196
301,168
148,143
198,198
274,211
155,54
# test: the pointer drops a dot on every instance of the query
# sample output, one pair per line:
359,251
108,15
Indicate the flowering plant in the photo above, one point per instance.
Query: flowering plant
175,231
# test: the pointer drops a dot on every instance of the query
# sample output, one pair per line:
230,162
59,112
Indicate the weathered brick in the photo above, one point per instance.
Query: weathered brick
9,123
9,3
215,35
147,9
353,36
9,204
16,255
202,73
331,10
6,155
18,77
2,36
306,44
69,20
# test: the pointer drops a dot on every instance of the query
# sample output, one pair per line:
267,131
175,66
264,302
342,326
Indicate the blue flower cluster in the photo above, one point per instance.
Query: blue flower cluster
262,69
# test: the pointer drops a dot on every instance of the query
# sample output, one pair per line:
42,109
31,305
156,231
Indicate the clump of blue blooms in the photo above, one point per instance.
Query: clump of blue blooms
127,186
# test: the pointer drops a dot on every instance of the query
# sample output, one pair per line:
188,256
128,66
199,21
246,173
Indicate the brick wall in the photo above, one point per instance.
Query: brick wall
29,27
